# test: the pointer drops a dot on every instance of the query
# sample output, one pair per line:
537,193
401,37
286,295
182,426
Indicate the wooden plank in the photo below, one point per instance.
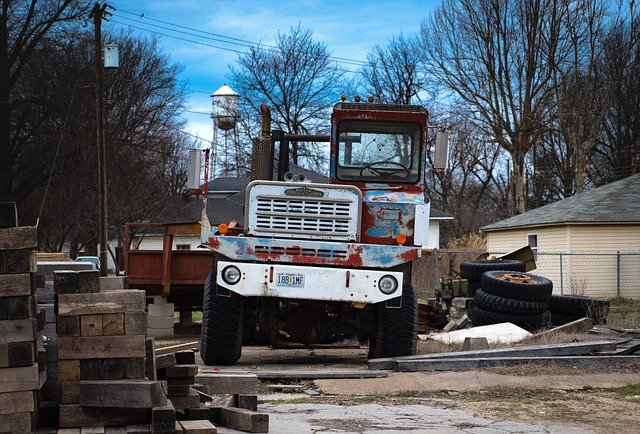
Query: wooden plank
19,330
222,384
248,402
16,402
130,300
321,374
19,307
8,215
70,392
134,368
113,369
91,325
91,369
581,325
135,323
182,402
21,353
185,357
100,347
88,281
180,347
69,370
74,415
198,427
18,261
18,379
113,324
4,355
19,422
562,349
244,420
122,393
65,281
15,285
22,237
479,363
150,359
163,418
181,371
68,326
165,360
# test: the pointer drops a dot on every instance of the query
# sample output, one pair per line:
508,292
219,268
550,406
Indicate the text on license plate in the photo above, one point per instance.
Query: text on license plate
290,280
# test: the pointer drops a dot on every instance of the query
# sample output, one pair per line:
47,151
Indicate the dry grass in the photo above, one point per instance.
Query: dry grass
624,312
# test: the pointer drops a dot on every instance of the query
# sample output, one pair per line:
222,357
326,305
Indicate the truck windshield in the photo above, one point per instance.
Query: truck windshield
374,151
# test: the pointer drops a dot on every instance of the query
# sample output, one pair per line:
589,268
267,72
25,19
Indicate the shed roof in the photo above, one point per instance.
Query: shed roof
614,203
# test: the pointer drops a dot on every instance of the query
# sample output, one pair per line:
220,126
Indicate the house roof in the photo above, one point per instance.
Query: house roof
617,202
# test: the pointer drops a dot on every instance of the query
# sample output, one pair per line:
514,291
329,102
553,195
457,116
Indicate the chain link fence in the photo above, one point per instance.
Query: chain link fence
594,274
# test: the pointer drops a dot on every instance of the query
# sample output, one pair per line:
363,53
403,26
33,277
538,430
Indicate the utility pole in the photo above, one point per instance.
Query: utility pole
97,14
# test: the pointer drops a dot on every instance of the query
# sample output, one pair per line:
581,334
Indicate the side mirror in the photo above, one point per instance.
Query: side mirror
193,171
441,154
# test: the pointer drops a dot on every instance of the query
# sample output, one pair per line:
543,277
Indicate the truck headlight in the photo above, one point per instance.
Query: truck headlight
388,284
231,274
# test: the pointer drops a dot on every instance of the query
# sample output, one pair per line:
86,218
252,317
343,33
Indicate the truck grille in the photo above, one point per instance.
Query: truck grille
331,254
306,211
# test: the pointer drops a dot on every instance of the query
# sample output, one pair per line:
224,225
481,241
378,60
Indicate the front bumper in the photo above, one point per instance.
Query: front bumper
309,283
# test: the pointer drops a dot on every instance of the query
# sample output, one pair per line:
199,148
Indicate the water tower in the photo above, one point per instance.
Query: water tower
225,117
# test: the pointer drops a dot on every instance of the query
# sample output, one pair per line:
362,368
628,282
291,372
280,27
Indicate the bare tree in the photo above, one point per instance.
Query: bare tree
298,80
23,26
392,73
617,154
146,150
498,57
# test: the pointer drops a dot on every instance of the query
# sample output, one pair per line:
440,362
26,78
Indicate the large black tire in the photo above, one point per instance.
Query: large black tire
480,317
580,307
472,287
473,270
495,303
222,323
518,286
396,330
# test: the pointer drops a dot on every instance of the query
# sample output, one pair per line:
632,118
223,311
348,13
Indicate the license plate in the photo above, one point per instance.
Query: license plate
290,280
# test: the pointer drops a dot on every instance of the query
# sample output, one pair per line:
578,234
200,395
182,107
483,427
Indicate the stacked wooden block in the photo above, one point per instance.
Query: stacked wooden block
101,355
160,317
20,373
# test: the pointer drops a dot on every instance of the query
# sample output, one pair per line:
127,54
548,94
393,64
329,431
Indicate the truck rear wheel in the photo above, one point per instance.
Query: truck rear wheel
396,329
222,320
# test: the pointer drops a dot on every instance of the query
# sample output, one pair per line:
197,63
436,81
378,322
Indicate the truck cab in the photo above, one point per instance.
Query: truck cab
316,263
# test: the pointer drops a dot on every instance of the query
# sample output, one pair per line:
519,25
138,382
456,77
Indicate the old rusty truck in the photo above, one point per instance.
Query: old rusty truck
316,263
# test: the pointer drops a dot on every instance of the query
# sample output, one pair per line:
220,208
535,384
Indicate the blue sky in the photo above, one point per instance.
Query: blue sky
349,28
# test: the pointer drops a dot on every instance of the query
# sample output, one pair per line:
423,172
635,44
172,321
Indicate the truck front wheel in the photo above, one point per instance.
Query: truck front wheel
222,319
396,329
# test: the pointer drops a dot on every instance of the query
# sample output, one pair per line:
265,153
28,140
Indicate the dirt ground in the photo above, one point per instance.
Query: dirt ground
600,399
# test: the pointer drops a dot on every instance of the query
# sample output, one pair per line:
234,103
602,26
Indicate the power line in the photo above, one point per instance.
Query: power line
211,35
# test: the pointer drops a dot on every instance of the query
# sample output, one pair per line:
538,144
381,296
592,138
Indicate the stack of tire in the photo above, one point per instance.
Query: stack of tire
518,298
472,271
565,309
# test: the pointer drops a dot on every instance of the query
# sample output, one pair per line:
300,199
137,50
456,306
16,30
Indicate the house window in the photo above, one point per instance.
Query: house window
183,246
532,241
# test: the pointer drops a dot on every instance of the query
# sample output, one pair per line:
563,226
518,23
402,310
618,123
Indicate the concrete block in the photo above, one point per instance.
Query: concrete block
160,333
165,309
113,283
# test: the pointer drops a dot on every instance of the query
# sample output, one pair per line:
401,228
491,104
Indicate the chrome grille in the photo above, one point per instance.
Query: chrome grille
274,212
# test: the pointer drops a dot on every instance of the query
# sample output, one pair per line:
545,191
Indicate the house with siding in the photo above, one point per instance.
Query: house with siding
587,244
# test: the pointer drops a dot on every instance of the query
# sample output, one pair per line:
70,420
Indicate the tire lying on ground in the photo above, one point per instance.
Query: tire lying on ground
473,270
517,286
222,323
579,307
481,317
495,303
